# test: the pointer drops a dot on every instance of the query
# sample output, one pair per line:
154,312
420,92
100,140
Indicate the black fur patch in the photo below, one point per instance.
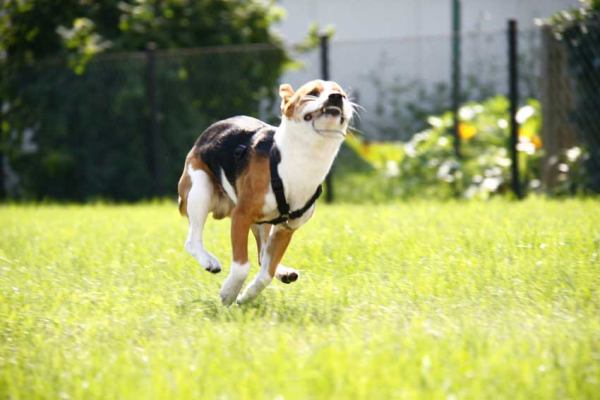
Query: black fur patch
226,145
263,145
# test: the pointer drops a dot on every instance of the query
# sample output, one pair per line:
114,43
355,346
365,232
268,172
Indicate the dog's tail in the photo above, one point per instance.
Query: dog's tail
183,188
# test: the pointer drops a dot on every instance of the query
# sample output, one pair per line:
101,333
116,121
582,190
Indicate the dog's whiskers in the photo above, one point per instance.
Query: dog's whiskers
354,130
355,107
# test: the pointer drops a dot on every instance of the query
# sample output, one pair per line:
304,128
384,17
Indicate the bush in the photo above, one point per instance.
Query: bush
75,118
426,165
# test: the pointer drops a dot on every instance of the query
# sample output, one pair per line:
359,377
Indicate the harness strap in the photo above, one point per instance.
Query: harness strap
298,213
277,184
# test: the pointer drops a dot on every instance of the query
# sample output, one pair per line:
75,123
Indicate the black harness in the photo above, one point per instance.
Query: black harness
264,145
278,190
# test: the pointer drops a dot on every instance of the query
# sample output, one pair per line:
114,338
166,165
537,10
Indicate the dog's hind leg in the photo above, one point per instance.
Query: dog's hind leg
279,239
240,226
283,273
199,200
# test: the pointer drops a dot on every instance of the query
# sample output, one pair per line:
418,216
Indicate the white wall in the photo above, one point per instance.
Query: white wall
408,40
376,19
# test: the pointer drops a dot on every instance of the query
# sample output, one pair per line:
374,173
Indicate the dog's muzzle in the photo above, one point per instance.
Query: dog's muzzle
332,107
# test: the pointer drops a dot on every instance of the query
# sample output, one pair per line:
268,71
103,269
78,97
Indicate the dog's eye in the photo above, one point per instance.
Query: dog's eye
314,92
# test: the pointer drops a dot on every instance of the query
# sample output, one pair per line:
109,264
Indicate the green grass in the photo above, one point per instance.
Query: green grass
413,300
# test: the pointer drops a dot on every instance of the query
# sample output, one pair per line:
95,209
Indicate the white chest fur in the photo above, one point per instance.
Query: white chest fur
306,158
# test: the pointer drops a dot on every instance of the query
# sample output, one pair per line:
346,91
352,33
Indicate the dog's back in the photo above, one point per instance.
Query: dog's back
223,148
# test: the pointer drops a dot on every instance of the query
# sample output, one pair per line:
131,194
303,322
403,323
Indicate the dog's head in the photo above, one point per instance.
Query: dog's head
321,105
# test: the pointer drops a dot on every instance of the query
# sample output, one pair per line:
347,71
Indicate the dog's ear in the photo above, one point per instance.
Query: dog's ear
286,92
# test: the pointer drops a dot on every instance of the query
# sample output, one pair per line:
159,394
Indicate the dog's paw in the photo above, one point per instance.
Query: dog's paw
234,282
229,292
227,297
244,297
204,258
286,274
240,300
261,281
211,264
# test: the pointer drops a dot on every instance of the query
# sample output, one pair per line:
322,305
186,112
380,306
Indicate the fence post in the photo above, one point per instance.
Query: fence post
324,39
558,132
456,74
152,135
513,96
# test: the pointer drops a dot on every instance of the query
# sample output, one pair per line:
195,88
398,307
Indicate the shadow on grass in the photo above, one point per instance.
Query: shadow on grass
265,309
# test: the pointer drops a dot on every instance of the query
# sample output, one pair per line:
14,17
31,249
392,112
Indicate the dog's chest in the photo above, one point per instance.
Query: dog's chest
301,176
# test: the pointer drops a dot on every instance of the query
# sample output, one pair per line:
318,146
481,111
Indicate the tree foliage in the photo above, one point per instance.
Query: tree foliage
75,81
34,29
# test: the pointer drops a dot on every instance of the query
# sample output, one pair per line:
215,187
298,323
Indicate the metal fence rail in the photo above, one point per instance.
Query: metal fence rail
401,81
127,122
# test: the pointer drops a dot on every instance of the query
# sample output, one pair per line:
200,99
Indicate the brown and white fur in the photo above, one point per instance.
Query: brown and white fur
308,140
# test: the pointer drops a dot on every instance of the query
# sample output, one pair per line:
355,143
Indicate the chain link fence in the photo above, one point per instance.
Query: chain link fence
401,81
571,104
122,128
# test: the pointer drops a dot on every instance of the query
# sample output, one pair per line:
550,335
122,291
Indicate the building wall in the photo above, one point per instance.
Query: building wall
383,44
377,19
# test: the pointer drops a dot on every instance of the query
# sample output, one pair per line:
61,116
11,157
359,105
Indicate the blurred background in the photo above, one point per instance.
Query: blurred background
103,99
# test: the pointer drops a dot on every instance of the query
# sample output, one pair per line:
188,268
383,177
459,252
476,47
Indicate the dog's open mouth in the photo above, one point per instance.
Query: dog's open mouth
331,111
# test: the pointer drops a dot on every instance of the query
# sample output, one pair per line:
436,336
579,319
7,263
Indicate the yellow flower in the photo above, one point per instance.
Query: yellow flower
466,131
364,149
526,131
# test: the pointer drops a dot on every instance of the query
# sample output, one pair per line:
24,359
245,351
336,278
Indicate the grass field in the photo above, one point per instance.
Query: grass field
413,300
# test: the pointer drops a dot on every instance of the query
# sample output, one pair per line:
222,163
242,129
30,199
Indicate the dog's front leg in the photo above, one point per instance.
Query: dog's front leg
240,228
283,273
277,244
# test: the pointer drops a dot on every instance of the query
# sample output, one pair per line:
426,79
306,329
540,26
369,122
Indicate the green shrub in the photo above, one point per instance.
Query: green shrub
75,83
426,165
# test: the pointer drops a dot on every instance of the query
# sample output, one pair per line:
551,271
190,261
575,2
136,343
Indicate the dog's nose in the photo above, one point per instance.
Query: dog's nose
335,98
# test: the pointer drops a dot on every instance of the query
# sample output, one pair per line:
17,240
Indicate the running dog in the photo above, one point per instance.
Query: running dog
265,178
